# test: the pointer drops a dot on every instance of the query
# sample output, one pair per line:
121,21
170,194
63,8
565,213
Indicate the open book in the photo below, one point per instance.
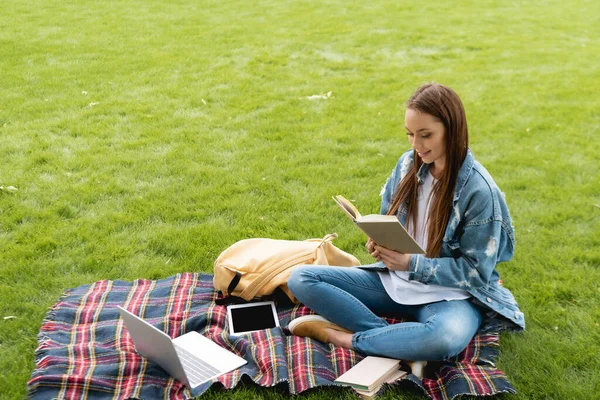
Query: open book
385,230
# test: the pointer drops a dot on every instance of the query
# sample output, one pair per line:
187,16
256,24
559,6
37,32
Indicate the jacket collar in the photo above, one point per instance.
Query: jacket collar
464,173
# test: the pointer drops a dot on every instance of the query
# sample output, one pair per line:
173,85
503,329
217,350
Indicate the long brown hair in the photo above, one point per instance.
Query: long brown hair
444,104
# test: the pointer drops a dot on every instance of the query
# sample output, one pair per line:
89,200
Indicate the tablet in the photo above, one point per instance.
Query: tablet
250,317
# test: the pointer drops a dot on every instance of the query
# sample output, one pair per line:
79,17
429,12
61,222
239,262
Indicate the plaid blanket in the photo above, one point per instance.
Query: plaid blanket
85,352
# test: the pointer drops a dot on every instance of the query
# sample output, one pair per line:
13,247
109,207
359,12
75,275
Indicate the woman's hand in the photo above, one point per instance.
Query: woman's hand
392,259
370,245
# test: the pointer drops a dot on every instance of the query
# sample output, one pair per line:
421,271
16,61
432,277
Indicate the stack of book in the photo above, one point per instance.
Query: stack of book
368,376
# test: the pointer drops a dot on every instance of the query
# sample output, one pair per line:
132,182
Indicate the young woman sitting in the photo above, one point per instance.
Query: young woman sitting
456,212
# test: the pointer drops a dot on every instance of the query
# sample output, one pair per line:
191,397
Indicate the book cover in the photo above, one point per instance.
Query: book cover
368,374
385,230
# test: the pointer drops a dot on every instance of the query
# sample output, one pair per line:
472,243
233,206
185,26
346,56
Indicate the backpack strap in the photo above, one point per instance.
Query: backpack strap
231,299
328,238
225,301
234,282
278,296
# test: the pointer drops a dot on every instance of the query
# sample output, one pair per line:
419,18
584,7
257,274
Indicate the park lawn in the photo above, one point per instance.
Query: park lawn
138,139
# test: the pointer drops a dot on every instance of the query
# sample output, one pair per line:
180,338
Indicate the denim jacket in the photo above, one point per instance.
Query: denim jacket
479,235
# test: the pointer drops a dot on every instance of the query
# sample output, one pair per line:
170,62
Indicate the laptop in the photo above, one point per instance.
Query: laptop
191,358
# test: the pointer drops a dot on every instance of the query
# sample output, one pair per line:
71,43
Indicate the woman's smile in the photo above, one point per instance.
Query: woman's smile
423,154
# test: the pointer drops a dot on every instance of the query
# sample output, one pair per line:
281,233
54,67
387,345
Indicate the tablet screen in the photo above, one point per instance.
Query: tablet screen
250,317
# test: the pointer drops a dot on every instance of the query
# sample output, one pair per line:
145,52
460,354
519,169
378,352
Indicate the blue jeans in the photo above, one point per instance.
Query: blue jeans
355,299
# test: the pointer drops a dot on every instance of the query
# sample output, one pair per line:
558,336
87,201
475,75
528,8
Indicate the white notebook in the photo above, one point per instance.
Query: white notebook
369,373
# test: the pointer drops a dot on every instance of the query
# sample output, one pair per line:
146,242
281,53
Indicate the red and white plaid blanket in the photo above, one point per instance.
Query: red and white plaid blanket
85,352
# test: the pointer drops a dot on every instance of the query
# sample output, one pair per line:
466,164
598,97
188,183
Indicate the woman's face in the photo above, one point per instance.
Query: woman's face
427,136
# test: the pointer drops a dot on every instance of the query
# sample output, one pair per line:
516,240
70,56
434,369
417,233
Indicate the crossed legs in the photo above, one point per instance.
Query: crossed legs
355,299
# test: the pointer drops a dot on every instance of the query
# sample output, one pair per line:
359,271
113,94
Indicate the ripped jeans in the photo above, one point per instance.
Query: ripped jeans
355,299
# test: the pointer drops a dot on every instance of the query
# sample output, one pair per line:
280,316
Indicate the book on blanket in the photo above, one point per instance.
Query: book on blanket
372,394
385,230
368,375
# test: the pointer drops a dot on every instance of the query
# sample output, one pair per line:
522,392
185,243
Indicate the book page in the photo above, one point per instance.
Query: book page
378,218
347,206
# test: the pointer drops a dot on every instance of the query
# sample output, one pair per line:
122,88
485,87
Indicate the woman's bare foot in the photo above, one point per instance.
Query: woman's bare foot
339,338
416,367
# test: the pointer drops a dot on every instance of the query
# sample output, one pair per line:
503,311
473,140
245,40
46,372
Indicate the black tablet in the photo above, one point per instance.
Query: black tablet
250,317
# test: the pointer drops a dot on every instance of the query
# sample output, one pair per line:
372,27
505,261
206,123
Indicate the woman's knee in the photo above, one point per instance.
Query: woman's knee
299,277
453,337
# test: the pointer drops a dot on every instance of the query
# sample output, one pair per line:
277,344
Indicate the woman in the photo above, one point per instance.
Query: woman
454,210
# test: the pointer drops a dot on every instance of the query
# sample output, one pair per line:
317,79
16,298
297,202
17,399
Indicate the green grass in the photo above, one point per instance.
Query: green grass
144,137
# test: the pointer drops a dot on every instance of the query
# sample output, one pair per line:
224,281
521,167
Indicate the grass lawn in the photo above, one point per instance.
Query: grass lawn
144,137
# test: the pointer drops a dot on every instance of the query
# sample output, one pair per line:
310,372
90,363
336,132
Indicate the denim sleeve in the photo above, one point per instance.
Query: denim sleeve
483,244
386,193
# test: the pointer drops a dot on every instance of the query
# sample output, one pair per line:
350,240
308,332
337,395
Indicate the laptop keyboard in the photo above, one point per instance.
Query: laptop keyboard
197,370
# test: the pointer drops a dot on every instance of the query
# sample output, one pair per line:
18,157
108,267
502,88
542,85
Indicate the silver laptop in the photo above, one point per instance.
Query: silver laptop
191,358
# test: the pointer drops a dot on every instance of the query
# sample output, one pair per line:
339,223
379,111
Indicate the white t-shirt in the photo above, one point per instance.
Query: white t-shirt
396,283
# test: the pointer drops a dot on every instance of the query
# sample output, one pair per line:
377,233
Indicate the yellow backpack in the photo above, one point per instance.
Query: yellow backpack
255,268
